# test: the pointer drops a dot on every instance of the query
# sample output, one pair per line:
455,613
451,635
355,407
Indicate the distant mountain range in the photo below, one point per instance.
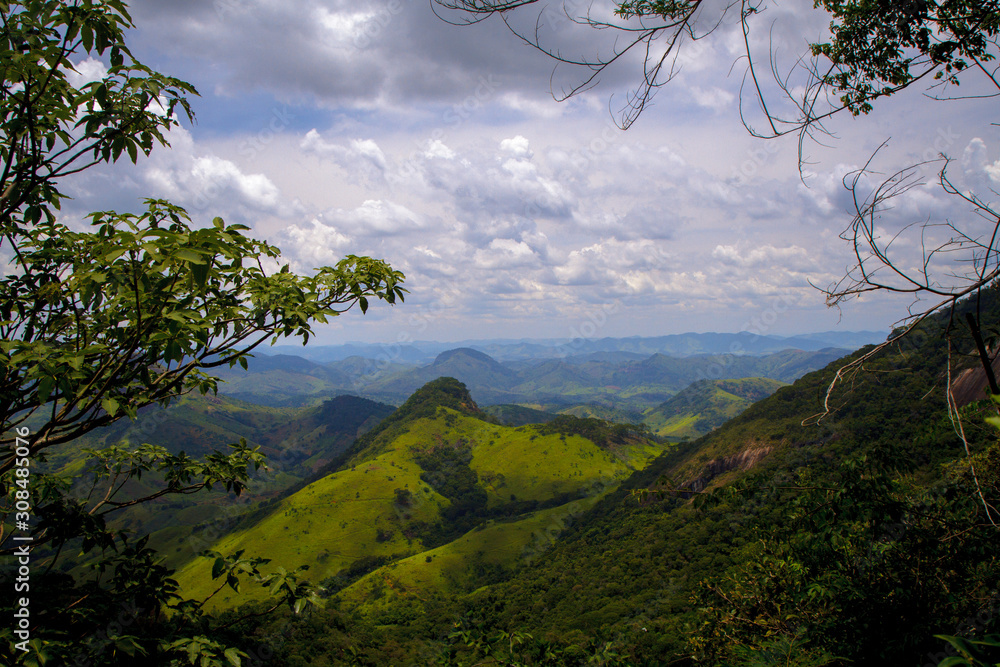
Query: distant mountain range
620,379
675,345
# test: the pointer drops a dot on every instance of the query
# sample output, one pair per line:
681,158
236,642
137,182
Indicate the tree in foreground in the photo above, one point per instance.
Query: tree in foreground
96,325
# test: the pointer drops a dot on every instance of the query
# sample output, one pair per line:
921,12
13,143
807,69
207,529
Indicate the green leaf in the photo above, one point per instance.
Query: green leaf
189,255
200,273
45,386
112,255
110,406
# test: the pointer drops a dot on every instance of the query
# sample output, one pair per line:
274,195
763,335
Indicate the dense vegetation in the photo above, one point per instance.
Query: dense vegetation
856,541
857,526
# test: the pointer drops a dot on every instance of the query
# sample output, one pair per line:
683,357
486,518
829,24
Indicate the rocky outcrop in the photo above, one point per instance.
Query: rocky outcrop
971,384
744,460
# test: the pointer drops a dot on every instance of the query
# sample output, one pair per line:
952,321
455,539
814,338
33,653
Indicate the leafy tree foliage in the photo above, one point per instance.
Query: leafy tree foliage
97,324
877,47
867,568
446,469
100,324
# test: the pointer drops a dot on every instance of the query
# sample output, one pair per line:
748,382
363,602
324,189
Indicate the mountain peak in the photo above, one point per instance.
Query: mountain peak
467,354
442,392
424,402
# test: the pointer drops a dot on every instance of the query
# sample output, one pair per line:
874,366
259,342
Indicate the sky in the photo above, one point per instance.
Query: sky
374,127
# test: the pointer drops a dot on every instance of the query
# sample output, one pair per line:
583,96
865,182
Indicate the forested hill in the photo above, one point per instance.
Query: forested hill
775,539
433,503
707,404
866,530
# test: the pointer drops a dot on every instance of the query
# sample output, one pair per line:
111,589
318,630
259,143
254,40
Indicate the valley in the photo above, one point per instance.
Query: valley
586,515
327,341
309,438
614,384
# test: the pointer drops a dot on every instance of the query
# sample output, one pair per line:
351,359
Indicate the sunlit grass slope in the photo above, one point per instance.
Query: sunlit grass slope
327,525
459,566
378,506
706,405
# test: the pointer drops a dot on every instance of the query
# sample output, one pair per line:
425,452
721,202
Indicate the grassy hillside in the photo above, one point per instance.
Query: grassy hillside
428,475
482,556
706,405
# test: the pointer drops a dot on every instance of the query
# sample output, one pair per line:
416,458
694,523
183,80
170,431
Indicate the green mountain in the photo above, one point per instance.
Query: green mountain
679,372
283,380
779,538
471,367
612,380
434,494
297,441
706,405
199,424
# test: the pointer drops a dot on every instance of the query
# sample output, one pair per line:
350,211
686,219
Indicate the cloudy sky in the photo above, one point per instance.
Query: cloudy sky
374,127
